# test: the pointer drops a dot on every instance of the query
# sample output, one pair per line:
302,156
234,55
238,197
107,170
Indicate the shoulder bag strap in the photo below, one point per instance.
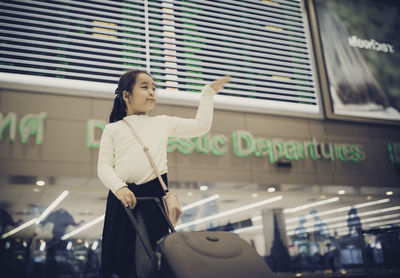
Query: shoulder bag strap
146,150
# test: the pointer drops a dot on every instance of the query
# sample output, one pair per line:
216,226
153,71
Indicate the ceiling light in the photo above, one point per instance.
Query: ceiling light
37,219
52,206
341,192
201,202
346,208
229,212
389,193
345,231
248,229
310,205
19,228
42,246
40,182
203,187
344,224
271,189
94,245
254,195
345,217
83,227
69,245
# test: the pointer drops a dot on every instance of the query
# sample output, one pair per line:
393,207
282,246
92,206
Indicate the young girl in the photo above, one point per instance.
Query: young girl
124,168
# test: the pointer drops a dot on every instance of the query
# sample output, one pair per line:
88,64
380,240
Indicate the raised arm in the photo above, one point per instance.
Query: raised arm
201,124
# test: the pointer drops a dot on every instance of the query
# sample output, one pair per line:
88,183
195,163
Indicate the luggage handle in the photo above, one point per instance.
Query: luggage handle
147,248
135,224
158,202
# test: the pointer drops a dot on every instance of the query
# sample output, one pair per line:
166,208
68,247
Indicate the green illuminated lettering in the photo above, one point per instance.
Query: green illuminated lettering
302,150
91,126
11,121
344,152
277,150
185,146
327,151
238,148
198,144
172,144
206,143
315,154
358,154
32,124
261,148
292,150
218,146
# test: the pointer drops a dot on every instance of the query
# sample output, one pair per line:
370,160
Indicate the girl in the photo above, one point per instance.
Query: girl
124,168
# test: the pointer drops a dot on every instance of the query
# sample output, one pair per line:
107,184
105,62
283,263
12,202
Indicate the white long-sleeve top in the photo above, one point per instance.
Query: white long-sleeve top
121,158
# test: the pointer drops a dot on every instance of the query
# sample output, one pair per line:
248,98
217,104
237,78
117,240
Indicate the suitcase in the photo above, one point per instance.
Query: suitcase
201,254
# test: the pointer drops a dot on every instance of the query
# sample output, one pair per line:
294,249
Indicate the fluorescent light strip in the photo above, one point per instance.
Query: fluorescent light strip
248,229
295,219
19,228
52,206
303,207
339,218
201,202
382,223
94,245
84,227
343,224
42,246
229,212
37,220
345,231
342,231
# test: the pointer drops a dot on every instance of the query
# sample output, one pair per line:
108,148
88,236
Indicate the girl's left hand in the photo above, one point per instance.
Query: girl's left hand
218,84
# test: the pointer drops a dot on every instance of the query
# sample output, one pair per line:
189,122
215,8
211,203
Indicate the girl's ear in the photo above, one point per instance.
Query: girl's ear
125,95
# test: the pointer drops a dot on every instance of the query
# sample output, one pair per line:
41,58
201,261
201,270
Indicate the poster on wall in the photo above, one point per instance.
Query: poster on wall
360,43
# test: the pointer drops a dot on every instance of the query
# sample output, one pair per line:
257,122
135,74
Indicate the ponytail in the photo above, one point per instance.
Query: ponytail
119,109
126,83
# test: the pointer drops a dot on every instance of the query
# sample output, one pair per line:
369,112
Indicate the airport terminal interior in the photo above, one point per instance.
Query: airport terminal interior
302,159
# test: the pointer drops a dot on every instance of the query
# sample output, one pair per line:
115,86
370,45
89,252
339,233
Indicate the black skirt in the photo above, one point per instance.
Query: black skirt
119,236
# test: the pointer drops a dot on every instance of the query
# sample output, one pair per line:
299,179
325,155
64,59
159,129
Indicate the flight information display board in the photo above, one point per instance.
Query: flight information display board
263,45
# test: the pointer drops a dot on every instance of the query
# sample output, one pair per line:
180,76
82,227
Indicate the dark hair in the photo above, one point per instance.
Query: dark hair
125,83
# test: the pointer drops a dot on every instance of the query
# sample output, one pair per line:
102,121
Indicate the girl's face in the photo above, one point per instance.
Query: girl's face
143,97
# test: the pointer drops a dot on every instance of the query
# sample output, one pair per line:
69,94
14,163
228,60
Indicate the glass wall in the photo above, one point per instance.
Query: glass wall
55,229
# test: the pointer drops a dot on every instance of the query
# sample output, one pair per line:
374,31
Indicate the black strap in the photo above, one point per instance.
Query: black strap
138,231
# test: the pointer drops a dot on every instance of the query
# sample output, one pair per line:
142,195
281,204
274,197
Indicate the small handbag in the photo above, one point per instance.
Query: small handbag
170,200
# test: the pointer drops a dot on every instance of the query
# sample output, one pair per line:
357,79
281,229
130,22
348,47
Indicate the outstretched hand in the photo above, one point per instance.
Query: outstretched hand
218,84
